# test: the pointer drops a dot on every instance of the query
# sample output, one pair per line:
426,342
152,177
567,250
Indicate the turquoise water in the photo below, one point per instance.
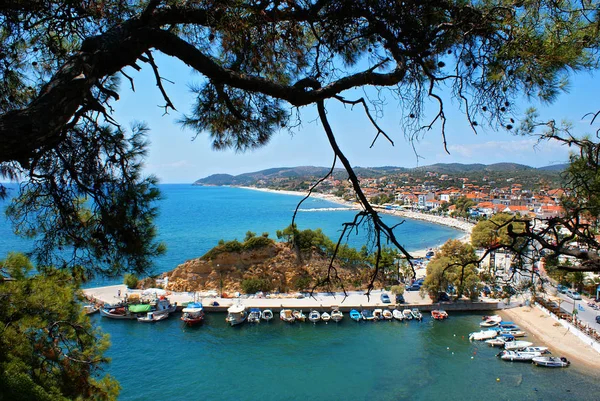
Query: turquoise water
353,361
275,361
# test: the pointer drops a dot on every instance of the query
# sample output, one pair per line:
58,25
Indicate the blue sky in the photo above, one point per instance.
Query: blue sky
175,158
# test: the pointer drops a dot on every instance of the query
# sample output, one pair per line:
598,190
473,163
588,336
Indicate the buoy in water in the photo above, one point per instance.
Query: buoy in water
497,379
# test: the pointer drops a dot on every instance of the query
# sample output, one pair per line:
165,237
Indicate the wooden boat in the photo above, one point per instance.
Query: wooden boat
551,361
152,317
326,317
439,314
378,314
398,315
193,313
336,314
518,356
387,314
299,316
355,315
367,314
407,314
314,316
416,314
287,316
516,345
267,314
236,314
482,335
254,316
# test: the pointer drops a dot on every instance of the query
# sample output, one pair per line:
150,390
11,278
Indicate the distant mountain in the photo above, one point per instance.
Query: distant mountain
306,172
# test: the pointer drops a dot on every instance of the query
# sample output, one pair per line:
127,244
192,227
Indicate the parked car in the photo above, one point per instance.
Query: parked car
429,254
562,288
552,304
400,299
414,287
573,294
385,298
487,291
598,319
443,297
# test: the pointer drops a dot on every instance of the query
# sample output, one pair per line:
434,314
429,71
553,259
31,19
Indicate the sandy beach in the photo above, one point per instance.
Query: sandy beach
543,330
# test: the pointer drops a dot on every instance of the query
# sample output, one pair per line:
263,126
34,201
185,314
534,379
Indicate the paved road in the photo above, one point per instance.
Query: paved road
584,312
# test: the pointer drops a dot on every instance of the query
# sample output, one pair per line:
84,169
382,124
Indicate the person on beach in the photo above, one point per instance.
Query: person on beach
118,293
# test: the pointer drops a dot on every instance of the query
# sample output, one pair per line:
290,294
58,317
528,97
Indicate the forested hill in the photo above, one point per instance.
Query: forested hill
474,172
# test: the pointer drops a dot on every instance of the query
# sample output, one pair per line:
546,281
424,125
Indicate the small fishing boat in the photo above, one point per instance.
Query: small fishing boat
513,333
314,316
287,315
516,345
508,326
355,315
416,314
398,315
551,361
299,316
367,314
542,350
482,335
336,314
236,314
90,309
326,317
378,314
387,314
497,342
193,313
407,314
254,316
152,317
491,321
439,314
518,356
267,314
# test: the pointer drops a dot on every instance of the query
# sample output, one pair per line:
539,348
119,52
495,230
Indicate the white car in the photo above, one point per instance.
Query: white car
573,294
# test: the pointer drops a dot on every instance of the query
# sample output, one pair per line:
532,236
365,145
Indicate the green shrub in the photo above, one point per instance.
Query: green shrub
257,243
254,285
130,280
302,283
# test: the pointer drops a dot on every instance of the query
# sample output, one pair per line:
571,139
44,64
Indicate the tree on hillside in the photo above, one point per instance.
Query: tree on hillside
262,62
48,348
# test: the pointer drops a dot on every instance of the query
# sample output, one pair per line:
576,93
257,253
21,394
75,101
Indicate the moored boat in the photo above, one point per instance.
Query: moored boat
551,361
355,315
193,313
314,316
267,314
254,316
152,317
407,314
416,314
542,350
299,316
336,314
236,314
90,309
513,333
516,345
326,317
439,314
482,335
387,314
518,356
497,342
491,321
367,314
287,315
378,314
397,315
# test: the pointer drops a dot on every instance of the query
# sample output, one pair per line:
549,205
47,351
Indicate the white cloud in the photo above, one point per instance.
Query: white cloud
527,151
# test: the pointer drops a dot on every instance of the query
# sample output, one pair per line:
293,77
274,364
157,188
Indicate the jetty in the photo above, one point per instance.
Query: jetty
304,301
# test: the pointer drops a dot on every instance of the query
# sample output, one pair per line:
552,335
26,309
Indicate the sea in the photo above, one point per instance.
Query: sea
428,360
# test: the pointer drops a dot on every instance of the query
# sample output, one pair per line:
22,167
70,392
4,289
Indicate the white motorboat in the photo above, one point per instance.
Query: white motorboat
325,317
551,361
267,314
314,316
193,313
491,321
254,316
518,356
407,314
514,333
416,314
287,315
299,316
516,345
90,309
378,314
236,314
543,350
336,315
398,315
387,314
482,335
496,342
152,317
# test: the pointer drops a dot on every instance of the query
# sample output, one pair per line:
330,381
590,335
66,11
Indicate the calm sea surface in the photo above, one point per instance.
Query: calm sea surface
275,361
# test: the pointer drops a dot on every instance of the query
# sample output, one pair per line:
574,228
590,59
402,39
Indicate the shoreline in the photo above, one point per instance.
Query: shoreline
542,328
464,226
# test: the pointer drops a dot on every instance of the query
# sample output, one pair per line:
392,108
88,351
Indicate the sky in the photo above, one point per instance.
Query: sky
176,157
